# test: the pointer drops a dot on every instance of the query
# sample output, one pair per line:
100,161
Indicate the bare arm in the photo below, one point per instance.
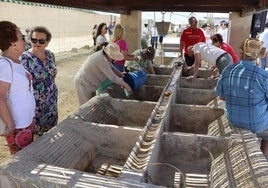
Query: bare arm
121,82
197,63
4,110
129,57
181,48
106,69
150,69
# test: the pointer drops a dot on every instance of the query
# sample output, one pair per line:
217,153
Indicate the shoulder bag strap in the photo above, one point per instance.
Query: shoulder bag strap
11,71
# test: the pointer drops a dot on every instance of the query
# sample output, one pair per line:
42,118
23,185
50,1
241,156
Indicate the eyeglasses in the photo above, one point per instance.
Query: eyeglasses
105,28
41,41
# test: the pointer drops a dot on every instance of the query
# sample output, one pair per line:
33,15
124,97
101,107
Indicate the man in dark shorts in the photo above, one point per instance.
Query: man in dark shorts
161,41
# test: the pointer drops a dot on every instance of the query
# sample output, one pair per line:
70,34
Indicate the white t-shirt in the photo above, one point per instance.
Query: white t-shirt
21,98
207,35
100,39
224,33
154,32
208,52
180,30
264,38
145,32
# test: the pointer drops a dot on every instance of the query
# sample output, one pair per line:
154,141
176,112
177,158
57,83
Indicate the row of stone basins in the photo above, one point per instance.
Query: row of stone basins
170,133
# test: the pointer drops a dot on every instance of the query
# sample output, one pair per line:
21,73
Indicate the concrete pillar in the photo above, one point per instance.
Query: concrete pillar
239,29
132,24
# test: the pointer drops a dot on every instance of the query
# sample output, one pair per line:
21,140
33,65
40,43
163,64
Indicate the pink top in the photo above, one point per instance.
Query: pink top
123,47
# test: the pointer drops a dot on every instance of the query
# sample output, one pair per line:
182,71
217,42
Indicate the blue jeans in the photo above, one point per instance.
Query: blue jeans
154,42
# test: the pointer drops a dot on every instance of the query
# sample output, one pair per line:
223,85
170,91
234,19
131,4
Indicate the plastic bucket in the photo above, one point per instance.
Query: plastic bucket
135,79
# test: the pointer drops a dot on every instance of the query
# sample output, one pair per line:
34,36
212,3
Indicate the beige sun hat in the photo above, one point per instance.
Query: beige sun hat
113,50
251,47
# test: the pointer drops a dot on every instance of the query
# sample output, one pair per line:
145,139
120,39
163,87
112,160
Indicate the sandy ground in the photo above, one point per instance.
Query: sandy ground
68,64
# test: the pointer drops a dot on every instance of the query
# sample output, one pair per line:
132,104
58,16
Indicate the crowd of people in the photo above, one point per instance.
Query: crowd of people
149,35
28,71
242,80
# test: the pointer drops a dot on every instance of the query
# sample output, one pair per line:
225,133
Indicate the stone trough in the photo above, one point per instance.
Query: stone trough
150,91
170,133
199,121
191,164
194,96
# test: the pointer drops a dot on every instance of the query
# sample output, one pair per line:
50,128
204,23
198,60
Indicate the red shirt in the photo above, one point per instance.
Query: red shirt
229,49
191,36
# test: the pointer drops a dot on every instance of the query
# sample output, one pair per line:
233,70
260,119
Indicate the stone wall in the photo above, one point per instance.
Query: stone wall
70,28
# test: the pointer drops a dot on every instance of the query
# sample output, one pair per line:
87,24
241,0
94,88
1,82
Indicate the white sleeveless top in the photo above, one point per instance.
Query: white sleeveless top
20,98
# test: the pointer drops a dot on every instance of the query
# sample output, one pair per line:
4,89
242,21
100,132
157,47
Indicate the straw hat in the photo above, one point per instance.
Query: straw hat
251,47
113,50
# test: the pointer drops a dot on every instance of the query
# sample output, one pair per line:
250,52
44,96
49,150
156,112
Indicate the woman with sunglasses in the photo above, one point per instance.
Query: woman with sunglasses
40,62
17,103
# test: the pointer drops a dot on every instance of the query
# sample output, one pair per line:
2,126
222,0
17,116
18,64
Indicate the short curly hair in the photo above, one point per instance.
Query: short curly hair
8,34
41,29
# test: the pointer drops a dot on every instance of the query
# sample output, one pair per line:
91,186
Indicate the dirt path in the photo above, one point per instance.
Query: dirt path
67,68
68,64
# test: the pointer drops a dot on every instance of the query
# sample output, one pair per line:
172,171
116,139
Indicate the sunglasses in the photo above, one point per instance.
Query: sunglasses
41,41
23,37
